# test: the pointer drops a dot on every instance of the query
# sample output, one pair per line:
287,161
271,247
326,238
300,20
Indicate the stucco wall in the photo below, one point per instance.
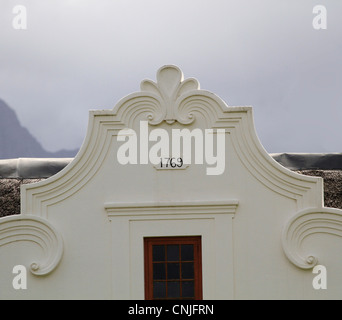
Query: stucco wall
10,190
263,227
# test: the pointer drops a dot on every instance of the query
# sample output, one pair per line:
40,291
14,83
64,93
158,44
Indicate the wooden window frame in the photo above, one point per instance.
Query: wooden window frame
148,263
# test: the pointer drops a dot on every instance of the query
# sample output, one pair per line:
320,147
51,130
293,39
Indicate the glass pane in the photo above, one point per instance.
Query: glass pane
188,289
159,289
173,289
173,271
187,252
173,252
159,272
188,270
158,253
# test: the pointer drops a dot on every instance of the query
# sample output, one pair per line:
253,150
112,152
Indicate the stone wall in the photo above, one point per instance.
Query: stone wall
332,186
10,195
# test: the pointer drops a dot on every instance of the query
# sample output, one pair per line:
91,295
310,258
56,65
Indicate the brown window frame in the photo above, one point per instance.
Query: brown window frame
148,264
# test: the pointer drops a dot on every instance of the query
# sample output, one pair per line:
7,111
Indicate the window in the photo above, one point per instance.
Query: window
173,268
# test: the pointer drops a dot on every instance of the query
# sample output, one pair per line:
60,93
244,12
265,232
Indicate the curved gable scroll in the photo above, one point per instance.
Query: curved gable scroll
170,100
309,223
37,231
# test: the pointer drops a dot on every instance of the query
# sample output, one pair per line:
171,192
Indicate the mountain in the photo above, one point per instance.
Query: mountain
17,142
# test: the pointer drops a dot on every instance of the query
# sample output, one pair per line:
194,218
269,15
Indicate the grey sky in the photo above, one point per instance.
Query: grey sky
78,55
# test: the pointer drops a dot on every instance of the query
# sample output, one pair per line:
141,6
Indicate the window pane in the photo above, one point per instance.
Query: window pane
159,289
173,268
188,270
187,252
173,253
173,289
159,272
158,253
188,289
173,271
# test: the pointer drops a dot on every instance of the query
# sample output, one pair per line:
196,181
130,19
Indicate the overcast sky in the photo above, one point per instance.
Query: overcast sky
78,55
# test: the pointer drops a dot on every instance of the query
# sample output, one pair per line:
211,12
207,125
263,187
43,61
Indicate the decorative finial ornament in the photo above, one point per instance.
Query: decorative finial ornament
169,88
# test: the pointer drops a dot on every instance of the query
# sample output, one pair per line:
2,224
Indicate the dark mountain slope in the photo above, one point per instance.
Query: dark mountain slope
17,142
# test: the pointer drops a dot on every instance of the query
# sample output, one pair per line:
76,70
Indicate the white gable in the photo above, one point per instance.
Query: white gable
263,227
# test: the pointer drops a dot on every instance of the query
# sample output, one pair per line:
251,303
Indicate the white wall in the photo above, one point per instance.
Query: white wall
258,221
